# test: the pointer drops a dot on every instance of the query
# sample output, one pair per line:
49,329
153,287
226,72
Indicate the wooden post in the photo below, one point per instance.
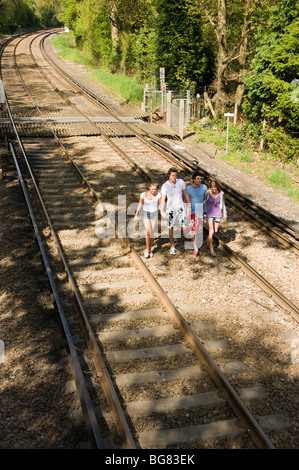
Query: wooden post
181,119
262,139
151,107
236,114
208,101
168,109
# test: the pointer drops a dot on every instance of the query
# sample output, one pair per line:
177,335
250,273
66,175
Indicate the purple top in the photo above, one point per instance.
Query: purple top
213,209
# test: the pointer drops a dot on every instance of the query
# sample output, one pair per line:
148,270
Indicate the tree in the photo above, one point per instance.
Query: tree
272,82
180,45
18,12
274,70
47,12
233,24
136,36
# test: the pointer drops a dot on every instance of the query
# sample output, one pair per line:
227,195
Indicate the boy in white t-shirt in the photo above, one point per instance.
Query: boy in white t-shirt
174,189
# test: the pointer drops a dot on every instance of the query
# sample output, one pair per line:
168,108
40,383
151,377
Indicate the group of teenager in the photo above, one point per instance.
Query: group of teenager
186,207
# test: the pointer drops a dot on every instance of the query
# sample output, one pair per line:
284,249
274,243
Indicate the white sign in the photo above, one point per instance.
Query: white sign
229,114
162,73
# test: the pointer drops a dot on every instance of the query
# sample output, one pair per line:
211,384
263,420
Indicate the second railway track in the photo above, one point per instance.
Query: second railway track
169,398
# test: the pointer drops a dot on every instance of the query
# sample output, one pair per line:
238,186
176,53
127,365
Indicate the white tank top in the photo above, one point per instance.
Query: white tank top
150,205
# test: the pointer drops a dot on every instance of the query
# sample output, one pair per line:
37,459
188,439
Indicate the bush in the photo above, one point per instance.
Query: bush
282,146
254,132
237,138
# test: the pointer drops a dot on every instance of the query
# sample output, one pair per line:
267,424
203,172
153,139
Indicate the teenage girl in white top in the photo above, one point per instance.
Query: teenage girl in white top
150,202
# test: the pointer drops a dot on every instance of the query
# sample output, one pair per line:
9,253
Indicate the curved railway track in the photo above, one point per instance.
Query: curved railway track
135,339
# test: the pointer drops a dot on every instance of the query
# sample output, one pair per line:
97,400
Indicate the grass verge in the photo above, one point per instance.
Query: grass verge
242,154
126,87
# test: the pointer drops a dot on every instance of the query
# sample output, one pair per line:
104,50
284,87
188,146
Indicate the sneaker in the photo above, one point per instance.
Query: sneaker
195,252
172,250
151,255
146,255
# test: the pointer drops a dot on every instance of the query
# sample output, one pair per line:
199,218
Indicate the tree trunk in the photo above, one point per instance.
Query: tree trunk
226,55
114,25
242,58
220,97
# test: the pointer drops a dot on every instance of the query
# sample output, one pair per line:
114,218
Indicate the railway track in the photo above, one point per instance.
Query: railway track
136,334
276,227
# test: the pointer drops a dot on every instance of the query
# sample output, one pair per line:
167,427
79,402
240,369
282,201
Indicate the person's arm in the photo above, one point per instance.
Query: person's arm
205,201
159,202
186,196
187,202
224,212
162,205
138,208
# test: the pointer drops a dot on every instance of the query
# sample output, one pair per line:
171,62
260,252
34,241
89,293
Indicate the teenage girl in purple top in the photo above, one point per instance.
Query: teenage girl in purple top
215,210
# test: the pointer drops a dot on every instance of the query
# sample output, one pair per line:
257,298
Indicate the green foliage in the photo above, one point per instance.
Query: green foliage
134,15
29,14
122,85
144,53
269,91
126,87
237,138
90,24
254,132
282,146
66,46
281,179
18,12
246,156
180,45
214,131
68,12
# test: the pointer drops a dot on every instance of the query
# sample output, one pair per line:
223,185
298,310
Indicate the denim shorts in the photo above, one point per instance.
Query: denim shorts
150,215
215,219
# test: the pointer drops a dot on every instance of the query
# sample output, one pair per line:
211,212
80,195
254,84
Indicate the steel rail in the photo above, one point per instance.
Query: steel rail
99,362
58,140
261,281
136,167
86,403
231,194
248,421
280,299
94,431
257,434
236,194
239,408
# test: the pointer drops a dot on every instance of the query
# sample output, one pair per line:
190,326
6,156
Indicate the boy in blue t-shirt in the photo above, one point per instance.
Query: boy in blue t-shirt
196,193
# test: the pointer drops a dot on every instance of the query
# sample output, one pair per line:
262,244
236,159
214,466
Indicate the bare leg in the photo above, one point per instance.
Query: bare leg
195,248
171,237
216,227
147,225
210,236
152,230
